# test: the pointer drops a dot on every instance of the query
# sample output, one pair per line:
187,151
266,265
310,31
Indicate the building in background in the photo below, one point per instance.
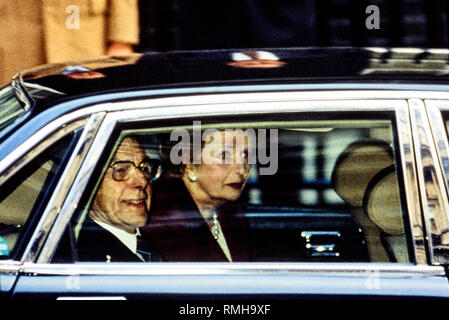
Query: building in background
187,24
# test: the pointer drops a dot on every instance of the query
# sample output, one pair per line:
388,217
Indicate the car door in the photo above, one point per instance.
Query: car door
313,222
29,181
435,142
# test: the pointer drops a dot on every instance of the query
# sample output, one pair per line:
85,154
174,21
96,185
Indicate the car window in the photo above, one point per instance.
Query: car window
316,189
10,107
23,194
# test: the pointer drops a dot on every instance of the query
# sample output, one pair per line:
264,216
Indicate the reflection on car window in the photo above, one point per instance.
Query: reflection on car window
256,191
10,107
23,193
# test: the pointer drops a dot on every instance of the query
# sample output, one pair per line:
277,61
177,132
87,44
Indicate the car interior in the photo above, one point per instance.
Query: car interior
335,196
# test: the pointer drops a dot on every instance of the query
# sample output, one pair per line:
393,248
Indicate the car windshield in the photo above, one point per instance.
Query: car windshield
10,107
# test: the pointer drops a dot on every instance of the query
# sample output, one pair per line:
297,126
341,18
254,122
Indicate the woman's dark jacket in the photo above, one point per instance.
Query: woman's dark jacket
180,234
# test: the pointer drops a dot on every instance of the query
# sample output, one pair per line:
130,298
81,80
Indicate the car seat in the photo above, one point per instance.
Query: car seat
364,176
382,205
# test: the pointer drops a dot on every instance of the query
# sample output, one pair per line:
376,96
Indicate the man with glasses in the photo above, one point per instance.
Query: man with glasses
110,232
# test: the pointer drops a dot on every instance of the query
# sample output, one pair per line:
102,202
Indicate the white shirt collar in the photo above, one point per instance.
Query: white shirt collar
128,239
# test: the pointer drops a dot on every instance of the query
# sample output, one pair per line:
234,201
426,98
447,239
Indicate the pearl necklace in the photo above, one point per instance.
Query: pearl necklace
215,226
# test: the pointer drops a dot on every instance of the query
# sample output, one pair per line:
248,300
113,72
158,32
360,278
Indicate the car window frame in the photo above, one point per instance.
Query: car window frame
145,110
29,150
432,110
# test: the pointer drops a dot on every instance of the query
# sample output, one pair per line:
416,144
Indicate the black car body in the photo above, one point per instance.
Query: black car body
308,242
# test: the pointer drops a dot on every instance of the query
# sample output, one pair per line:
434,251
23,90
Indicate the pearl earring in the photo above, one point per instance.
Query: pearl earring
193,177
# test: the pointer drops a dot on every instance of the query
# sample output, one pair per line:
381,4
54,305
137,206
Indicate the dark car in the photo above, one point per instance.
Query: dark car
346,195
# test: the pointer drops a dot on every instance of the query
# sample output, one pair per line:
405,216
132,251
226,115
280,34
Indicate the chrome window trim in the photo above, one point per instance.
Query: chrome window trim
38,142
437,126
56,201
92,298
410,183
69,203
334,269
203,96
252,107
36,147
208,95
440,137
21,95
435,203
9,267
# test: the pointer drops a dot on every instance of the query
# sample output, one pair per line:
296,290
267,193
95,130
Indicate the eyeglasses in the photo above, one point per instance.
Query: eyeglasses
122,170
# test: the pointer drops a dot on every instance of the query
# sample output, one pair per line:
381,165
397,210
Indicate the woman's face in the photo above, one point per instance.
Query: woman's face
223,171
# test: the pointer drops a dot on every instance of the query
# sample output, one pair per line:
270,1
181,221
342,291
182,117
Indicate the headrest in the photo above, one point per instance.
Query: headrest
382,202
357,165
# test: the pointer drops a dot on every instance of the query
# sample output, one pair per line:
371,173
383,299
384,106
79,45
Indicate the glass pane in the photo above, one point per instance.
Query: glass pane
24,192
10,107
312,190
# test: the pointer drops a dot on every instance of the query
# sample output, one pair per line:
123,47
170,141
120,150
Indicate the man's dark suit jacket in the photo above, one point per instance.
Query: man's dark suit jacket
180,234
96,244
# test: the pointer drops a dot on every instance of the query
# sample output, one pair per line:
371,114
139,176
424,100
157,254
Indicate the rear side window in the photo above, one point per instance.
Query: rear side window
253,190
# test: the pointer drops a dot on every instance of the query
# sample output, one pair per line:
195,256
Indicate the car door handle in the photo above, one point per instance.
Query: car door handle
321,243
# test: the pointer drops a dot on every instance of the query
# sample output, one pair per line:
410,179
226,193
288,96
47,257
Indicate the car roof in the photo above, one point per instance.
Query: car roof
187,69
